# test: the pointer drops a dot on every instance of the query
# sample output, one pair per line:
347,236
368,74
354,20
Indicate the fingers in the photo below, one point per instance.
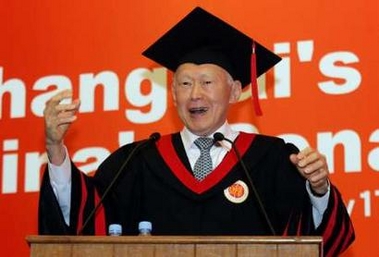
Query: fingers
59,107
317,177
65,94
294,159
56,99
310,160
58,116
65,113
59,102
65,117
312,166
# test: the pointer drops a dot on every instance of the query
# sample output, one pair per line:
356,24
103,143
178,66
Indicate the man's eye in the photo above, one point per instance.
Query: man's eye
185,84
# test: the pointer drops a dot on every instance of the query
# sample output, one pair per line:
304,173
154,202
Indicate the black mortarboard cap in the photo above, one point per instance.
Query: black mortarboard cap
201,37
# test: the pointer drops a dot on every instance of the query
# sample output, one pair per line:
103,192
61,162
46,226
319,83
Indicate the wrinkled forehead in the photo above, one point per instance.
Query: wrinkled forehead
201,70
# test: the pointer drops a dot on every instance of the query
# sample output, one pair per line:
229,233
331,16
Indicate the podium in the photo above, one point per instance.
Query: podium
174,246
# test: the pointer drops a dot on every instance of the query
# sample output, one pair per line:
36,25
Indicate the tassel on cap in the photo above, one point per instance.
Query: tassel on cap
254,82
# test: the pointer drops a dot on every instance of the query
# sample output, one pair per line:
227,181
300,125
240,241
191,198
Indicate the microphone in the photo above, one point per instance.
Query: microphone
220,137
154,137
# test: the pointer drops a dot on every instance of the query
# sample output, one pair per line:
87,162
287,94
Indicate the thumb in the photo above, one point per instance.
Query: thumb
294,159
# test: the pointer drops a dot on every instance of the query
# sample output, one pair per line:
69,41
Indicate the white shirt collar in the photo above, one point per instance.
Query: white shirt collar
188,137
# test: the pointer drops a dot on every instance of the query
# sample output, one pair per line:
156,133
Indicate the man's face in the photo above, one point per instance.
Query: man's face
202,94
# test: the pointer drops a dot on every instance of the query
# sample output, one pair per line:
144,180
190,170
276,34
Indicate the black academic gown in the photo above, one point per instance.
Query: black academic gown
157,186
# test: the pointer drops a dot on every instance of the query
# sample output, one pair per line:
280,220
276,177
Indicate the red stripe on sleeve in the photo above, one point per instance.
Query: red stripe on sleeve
83,200
99,217
343,235
298,232
348,238
329,228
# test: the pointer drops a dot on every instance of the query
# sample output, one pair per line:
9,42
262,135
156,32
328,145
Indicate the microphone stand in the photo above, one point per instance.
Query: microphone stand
153,138
219,137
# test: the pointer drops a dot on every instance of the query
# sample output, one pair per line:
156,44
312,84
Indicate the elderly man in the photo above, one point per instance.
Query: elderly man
206,179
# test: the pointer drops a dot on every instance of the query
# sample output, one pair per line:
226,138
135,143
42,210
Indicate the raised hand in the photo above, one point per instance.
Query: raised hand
312,165
58,118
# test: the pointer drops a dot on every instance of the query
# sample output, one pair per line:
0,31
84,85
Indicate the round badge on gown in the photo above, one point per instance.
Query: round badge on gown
237,193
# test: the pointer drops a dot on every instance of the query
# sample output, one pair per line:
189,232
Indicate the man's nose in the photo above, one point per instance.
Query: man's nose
197,90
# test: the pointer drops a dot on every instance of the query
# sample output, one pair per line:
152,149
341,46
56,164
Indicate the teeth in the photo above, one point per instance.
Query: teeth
198,110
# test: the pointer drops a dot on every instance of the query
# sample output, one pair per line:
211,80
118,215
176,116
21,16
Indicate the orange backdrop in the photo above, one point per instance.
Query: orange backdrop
324,92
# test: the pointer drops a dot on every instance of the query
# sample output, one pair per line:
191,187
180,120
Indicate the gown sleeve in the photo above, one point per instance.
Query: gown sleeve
336,227
50,217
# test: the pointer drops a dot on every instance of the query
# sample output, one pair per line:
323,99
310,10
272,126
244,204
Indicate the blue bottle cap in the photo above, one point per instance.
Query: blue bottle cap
115,230
145,225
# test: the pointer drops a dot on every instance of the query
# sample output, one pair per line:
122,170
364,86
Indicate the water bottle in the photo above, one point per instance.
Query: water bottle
145,228
115,230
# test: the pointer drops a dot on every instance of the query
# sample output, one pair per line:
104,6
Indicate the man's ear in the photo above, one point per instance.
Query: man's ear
173,93
236,91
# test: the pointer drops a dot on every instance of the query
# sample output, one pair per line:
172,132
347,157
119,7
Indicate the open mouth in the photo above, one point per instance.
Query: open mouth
198,110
